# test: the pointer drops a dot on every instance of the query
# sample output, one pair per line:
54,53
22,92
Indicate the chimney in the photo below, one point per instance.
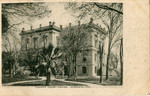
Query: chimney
91,20
53,23
79,23
69,24
40,25
31,27
60,27
50,23
23,29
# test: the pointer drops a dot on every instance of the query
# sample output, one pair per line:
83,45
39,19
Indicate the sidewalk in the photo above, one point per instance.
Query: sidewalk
88,84
62,80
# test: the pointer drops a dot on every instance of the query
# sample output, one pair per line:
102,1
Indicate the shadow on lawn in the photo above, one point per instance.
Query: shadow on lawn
53,83
113,81
16,79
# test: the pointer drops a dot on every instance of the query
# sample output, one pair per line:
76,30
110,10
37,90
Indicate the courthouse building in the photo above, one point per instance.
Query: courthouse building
87,65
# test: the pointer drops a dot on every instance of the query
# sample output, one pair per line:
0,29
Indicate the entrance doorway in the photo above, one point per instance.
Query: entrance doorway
84,70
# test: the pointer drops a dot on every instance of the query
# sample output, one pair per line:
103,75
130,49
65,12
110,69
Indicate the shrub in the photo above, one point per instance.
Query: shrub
23,71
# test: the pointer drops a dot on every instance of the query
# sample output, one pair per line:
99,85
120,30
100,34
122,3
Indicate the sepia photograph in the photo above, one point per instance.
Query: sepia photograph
74,48
70,44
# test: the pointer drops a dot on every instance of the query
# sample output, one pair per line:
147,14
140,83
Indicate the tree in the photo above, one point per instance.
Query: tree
106,7
21,12
13,15
110,14
113,63
49,54
7,60
74,42
115,23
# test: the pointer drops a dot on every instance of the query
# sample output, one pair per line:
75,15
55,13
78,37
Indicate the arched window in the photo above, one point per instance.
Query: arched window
35,42
84,70
84,59
96,42
95,69
44,41
27,44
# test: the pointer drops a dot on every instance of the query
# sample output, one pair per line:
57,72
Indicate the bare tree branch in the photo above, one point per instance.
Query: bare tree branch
107,8
12,26
115,42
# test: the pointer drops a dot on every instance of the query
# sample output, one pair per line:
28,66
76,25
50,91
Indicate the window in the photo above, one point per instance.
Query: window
84,70
95,57
84,59
99,43
44,41
95,69
96,42
65,70
27,44
58,40
35,42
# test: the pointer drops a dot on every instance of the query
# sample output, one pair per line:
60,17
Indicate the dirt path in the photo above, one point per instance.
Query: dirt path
62,80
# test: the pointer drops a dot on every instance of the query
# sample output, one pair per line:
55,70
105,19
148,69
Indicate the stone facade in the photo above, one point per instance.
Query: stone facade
42,36
87,65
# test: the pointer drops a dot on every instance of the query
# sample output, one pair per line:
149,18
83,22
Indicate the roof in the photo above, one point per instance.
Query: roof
41,29
88,25
99,28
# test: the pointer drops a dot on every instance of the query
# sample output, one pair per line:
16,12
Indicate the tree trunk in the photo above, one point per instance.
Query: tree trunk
11,70
15,64
101,64
48,77
101,75
68,74
121,61
14,68
68,65
107,66
75,67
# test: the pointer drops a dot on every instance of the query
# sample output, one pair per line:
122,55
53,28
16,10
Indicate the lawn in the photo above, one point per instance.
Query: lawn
113,80
15,79
53,83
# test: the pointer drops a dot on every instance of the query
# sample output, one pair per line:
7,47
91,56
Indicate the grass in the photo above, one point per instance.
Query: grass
113,80
15,79
53,83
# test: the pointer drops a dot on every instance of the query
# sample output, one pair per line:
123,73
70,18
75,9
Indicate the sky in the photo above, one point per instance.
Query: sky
59,15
